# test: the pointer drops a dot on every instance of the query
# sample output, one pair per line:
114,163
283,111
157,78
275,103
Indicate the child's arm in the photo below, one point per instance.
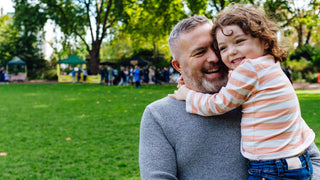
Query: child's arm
240,86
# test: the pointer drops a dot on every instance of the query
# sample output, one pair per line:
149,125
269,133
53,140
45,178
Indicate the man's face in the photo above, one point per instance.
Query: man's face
197,62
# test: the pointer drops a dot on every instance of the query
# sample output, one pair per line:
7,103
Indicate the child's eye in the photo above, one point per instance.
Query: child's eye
222,48
240,40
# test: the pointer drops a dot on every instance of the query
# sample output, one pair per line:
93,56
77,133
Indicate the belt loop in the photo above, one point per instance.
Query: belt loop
307,159
280,167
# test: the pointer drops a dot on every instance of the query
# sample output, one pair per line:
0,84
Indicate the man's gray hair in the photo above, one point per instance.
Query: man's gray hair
183,26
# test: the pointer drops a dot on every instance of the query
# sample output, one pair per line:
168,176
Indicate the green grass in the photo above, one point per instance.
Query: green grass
102,123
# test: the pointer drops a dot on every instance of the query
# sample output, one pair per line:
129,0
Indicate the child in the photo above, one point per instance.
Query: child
274,135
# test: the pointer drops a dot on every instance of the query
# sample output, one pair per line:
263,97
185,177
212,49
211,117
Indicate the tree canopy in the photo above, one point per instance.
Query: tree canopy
105,30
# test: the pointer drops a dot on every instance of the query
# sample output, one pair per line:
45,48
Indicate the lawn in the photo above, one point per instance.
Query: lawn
83,131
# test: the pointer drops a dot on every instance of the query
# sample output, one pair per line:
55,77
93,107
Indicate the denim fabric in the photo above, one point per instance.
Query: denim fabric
278,169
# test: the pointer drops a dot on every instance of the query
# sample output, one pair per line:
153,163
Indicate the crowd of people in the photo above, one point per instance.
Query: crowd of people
135,75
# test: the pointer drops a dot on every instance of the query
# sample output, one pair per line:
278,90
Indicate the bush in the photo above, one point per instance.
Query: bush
297,76
316,58
50,74
305,51
311,77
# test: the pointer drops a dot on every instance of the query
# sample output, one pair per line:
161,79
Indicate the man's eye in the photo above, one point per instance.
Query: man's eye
199,53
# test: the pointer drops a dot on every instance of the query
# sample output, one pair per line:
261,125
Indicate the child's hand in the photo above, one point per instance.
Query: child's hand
180,82
180,94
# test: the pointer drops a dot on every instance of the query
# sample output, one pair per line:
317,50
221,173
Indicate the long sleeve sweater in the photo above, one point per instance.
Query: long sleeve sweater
271,124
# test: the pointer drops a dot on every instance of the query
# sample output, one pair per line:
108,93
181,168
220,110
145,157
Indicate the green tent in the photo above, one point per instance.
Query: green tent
18,64
73,59
16,61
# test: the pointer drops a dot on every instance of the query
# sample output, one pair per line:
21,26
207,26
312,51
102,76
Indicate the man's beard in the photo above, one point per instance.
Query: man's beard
201,84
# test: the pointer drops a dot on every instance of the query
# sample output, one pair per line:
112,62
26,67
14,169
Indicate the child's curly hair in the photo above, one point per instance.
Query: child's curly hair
254,22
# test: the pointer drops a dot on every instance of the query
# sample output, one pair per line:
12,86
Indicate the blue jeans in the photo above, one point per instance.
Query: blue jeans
280,169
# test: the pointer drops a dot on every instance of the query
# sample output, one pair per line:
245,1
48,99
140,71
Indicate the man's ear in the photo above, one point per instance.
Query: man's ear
176,65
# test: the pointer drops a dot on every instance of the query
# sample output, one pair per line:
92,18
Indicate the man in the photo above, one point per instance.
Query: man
178,145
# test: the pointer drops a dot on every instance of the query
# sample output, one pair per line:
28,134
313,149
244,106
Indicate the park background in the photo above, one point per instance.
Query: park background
42,32
89,131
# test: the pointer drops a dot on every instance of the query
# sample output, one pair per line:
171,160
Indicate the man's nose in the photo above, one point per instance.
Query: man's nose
212,56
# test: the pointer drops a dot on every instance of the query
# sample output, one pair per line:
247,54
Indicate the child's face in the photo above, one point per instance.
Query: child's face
237,46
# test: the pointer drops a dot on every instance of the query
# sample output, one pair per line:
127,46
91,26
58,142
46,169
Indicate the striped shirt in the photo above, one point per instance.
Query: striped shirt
271,125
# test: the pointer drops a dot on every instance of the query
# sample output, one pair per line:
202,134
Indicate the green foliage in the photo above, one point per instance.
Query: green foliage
305,52
29,21
9,37
311,77
316,57
76,18
50,74
150,24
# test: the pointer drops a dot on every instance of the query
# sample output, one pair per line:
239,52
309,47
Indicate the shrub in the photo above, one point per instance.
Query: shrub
311,77
50,74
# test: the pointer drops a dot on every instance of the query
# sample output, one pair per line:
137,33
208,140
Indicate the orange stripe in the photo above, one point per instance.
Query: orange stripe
193,108
270,77
199,102
277,148
265,114
246,72
285,135
213,98
242,85
236,95
275,125
261,66
272,100
226,101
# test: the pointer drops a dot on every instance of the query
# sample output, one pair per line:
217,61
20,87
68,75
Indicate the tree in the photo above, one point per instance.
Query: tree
97,17
299,20
29,21
150,23
8,39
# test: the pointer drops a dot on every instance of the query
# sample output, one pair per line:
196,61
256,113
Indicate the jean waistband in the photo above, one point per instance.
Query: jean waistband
301,156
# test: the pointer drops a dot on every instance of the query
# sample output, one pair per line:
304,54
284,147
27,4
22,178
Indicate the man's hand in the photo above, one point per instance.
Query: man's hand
180,94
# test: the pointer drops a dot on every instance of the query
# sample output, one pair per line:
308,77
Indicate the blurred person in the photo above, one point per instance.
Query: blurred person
73,74
110,75
123,77
102,73
136,74
85,74
78,75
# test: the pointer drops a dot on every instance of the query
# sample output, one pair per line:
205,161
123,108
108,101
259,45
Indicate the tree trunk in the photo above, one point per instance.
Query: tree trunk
299,30
94,61
155,52
308,37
